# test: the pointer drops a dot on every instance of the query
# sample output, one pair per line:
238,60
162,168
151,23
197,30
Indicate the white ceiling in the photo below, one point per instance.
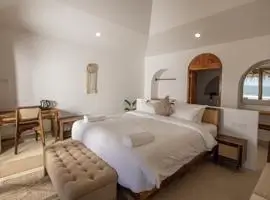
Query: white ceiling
133,14
173,22
167,14
244,21
79,20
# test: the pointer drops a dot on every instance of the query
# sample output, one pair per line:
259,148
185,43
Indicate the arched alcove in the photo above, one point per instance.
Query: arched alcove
212,89
155,83
212,86
199,66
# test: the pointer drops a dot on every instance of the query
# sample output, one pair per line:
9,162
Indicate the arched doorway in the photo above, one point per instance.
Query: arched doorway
204,80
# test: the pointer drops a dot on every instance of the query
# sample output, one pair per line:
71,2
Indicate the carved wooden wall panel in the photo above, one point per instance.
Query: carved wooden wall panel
205,61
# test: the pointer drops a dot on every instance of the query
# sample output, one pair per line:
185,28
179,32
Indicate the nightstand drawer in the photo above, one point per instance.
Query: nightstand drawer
228,151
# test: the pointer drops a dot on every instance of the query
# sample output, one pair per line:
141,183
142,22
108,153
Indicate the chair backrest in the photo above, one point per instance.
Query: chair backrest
28,113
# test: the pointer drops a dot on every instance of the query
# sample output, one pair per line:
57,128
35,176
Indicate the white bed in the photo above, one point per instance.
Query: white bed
143,168
213,129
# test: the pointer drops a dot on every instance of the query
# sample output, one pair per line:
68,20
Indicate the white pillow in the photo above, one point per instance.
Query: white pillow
189,112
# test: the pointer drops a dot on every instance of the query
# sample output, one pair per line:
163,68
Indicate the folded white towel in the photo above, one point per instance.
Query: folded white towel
137,139
89,118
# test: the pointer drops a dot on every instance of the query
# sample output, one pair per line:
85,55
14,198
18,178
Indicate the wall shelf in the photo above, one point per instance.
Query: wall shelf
165,79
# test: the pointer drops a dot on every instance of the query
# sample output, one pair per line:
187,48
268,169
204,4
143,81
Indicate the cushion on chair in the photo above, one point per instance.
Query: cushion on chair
29,113
78,173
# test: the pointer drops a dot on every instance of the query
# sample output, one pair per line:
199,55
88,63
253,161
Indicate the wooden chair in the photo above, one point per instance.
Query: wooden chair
29,118
268,154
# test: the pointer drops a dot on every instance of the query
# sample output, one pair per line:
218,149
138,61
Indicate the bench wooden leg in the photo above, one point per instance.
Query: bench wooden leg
16,143
45,173
36,134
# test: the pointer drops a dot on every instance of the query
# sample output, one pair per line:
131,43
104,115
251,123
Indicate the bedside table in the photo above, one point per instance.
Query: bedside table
232,149
66,121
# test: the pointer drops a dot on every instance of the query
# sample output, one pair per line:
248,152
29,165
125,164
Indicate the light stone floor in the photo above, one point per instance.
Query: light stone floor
206,182
29,156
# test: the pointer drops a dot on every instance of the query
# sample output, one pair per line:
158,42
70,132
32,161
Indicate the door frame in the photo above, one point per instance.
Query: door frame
205,61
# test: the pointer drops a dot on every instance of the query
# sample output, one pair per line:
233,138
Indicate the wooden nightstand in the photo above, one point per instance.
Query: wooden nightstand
231,149
65,124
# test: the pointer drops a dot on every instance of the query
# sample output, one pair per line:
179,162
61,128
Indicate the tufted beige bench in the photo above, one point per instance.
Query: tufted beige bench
77,173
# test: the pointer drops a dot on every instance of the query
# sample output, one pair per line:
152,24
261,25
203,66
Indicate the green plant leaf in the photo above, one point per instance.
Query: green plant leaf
127,102
134,102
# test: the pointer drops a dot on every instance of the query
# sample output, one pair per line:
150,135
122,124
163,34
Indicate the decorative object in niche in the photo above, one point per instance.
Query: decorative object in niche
91,83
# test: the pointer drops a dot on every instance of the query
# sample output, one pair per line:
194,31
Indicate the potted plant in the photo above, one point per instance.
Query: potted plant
130,105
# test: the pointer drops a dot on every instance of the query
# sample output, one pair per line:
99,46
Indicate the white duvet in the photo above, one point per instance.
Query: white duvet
142,168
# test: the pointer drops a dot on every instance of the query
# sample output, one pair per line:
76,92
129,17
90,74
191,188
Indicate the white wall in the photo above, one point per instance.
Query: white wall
8,96
50,44
236,58
242,124
60,74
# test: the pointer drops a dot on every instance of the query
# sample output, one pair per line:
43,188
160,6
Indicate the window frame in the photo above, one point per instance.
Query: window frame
260,65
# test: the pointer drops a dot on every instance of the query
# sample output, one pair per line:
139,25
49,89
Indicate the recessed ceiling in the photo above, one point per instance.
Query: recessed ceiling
241,22
132,14
80,20
167,14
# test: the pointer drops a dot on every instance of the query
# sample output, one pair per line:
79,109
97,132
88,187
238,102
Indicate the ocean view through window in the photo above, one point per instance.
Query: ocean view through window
255,85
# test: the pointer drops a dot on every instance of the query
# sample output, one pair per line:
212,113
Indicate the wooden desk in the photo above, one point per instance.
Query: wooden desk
9,118
264,126
264,112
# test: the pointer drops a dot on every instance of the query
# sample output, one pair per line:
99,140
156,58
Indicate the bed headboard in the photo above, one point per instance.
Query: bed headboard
212,116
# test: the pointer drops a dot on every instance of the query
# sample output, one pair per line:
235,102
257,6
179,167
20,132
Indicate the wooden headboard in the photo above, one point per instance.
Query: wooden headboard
212,116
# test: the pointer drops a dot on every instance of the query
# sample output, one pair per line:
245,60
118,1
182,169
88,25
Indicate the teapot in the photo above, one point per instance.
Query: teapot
45,104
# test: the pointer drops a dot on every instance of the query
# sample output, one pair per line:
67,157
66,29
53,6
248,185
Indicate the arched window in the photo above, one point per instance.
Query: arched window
255,85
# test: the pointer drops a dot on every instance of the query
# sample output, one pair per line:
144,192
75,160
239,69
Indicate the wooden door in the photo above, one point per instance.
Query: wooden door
192,89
